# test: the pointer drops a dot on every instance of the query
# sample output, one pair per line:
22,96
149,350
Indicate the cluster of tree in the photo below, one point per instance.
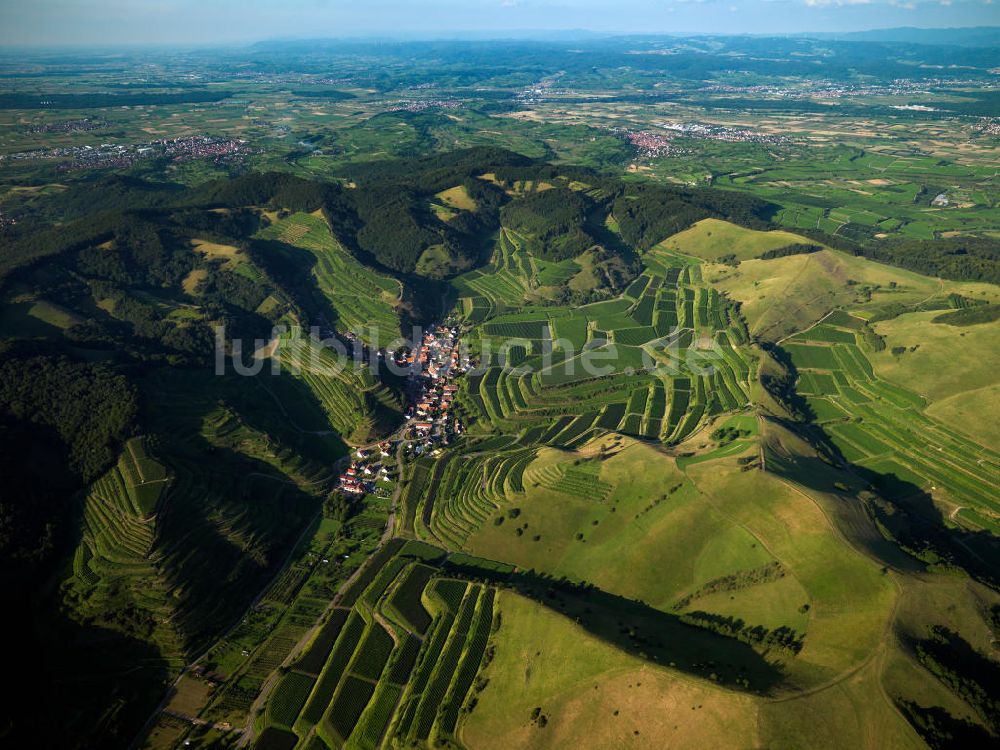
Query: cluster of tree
262,189
395,224
647,213
943,731
330,95
87,404
396,227
955,258
970,316
556,219
230,222
958,258
968,673
782,637
431,174
119,289
743,579
340,507
108,193
798,248
906,514
895,309
140,252
724,435
875,340
96,100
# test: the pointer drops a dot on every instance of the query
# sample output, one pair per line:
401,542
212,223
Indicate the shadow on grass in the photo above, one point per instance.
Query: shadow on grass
642,631
894,520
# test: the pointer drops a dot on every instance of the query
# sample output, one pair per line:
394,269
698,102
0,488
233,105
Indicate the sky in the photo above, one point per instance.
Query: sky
127,22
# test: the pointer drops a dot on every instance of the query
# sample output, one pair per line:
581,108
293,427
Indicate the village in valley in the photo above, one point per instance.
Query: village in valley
432,366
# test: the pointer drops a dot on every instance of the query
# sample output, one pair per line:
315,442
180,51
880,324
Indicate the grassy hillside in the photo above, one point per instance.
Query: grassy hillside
939,360
784,295
713,239
604,699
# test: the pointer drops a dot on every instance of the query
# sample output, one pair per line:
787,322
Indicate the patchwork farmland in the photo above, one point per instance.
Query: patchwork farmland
393,661
651,363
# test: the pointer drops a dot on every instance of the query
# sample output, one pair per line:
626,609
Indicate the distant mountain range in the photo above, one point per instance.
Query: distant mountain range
973,36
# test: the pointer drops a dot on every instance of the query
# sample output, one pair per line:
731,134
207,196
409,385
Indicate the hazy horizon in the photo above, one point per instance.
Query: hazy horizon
171,22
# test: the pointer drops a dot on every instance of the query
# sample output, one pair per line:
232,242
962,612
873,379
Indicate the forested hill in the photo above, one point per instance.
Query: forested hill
387,213
390,213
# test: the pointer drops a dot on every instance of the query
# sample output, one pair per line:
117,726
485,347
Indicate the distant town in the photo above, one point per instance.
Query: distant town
710,132
119,155
81,125
652,144
419,105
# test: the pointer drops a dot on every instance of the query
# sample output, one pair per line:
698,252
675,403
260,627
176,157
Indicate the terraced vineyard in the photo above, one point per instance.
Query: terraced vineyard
352,399
176,512
363,300
393,661
655,363
881,427
470,488
512,275
119,540
651,363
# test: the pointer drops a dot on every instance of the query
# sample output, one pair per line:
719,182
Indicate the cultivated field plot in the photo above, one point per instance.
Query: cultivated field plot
880,191
883,427
394,659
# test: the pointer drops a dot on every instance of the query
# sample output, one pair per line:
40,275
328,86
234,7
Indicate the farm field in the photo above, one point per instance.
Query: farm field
393,662
674,352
